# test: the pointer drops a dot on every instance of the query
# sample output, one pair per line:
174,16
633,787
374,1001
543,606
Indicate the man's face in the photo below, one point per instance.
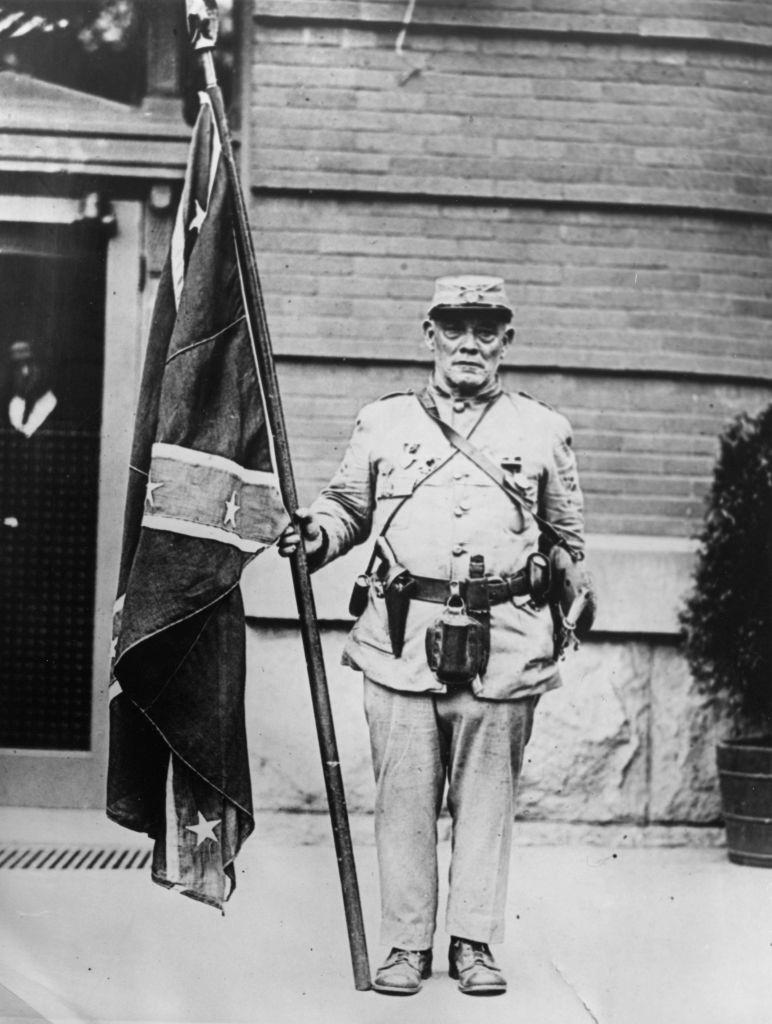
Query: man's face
25,377
468,348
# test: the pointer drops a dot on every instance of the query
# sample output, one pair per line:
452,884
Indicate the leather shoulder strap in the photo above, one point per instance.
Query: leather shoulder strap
473,453
423,479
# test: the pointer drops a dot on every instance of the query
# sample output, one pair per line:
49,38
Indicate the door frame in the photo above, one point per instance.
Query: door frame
65,778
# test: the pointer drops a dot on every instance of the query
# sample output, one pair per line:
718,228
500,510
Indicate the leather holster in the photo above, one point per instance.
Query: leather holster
398,588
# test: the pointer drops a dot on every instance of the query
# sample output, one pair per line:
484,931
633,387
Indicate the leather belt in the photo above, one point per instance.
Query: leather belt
500,588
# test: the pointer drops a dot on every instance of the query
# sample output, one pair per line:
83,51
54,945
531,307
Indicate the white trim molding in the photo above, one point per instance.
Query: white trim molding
641,583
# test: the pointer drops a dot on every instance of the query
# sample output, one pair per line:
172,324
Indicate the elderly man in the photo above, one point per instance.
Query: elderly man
463,487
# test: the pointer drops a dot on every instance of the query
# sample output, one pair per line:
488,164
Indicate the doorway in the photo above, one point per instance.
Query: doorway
72,324
52,278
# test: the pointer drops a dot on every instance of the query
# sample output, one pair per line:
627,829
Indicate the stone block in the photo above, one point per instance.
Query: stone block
685,727
626,739
587,760
284,749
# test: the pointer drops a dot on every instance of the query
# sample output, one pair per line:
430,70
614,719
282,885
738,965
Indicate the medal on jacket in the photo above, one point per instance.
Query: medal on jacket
409,453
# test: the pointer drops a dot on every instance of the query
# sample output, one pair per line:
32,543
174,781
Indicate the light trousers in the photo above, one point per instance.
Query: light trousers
419,741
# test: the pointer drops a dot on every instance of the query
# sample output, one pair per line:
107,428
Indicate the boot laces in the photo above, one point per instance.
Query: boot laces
405,956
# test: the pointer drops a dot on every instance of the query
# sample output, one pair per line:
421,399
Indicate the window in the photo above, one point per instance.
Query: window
122,50
91,47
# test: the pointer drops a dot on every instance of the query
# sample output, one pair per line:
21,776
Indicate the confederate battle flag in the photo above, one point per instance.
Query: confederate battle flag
203,499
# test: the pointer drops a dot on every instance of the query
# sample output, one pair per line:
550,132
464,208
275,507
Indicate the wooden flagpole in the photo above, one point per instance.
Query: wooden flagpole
202,22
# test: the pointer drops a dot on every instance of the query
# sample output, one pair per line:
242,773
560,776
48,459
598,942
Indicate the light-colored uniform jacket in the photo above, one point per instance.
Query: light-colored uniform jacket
456,513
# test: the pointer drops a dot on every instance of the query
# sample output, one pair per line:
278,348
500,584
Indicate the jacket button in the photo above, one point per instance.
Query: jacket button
459,510
459,549
459,406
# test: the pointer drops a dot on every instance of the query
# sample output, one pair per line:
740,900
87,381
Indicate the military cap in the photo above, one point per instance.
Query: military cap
470,291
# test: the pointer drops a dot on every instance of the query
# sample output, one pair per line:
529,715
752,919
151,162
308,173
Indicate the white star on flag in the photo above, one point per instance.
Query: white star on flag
150,487
231,508
198,218
204,829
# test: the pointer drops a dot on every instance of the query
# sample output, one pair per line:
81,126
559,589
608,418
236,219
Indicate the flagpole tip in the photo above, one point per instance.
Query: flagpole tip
203,24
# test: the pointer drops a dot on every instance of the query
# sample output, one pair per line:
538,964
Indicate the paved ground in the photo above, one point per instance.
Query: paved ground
601,929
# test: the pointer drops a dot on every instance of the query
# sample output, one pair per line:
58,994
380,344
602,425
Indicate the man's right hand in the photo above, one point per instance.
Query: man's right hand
305,526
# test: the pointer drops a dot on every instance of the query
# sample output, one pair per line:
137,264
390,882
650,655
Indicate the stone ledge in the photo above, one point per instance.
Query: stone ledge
276,828
640,582
43,825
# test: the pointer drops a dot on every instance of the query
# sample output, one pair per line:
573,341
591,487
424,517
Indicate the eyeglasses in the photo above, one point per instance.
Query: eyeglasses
483,332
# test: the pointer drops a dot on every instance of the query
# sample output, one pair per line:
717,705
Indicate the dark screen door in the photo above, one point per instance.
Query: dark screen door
52,280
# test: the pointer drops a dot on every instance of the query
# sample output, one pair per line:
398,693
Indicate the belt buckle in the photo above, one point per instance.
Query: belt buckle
455,599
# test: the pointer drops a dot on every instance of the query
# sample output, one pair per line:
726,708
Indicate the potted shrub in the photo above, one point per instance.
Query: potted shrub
727,629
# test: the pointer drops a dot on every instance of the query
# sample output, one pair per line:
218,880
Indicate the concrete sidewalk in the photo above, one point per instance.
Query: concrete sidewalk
601,929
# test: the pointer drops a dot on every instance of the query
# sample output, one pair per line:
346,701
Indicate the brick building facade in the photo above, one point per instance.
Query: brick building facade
610,158
621,185
612,161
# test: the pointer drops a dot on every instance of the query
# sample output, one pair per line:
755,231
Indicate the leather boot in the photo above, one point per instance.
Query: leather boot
473,966
403,971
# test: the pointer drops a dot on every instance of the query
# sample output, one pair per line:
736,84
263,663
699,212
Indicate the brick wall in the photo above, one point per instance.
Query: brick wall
611,160
504,116
645,451
621,288
722,20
